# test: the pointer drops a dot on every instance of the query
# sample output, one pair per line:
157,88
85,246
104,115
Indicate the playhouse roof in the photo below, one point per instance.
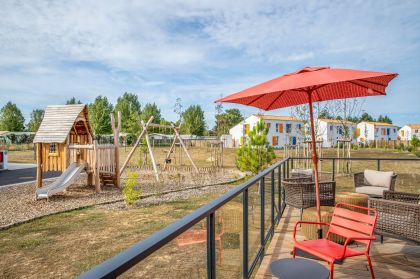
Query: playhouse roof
58,121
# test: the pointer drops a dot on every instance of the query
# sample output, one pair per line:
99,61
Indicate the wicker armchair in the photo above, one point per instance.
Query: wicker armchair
300,192
363,187
398,215
323,176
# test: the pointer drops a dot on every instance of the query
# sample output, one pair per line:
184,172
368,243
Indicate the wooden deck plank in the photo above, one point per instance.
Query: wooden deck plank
392,259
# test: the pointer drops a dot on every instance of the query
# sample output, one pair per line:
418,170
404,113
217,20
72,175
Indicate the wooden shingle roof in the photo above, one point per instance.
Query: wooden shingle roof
58,121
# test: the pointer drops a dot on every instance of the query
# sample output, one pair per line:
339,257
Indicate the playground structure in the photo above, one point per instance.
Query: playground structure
215,148
65,139
176,142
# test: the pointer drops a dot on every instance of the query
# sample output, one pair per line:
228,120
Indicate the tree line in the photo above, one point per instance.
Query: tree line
132,112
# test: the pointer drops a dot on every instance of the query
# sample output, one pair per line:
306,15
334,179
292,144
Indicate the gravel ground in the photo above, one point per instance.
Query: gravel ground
18,204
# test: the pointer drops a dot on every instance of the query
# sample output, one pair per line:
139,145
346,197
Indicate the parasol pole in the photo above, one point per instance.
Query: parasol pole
315,165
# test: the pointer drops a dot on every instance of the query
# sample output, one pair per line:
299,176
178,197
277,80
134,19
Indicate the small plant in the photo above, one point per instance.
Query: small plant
256,154
415,142
354,146
131,191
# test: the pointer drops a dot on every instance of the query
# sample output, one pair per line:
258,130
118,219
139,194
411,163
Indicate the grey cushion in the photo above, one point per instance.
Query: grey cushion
378,178
373,191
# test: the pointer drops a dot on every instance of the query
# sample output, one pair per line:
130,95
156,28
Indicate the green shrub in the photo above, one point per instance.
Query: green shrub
415,142
256,154
131,191
354,146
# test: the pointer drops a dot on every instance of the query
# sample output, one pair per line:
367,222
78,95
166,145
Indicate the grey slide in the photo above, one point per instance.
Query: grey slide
65,180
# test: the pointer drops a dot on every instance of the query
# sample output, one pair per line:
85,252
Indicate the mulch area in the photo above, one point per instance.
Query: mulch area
18,203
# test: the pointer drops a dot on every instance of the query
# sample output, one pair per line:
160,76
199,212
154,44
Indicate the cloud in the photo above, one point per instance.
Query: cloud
196,50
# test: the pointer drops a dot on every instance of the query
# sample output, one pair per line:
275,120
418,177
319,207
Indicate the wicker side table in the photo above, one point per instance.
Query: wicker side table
310,231
352,198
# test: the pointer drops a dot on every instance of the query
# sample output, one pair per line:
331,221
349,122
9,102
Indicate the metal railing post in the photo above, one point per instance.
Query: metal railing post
245,235
279,190
288,168
262,202
272,202
211,247
378,165
333,169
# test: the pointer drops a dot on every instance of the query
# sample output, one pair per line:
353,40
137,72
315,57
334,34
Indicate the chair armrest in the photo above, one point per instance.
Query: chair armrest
401,196
306,222
349,239
359,179
393,181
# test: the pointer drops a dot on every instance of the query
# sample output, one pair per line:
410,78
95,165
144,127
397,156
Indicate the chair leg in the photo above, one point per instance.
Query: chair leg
332,270
370,267
294,252
301,214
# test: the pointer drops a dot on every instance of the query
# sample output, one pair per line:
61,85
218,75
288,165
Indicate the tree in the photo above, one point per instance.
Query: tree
366,117
151,110
256,154
193,121
11,118
73,101
178,107
99,115
226,120
129,106
36,118
385,119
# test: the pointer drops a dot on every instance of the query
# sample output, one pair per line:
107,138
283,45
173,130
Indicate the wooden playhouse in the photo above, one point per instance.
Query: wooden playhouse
65,136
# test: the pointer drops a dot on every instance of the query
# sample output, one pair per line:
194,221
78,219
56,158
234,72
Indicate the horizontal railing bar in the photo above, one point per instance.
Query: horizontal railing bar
139,251
358,159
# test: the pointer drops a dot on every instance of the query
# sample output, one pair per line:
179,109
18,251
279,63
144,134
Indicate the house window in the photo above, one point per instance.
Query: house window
52,149
395,130
268,125
298,126
288,128
416,131
331,127
358,132
277,127
247,129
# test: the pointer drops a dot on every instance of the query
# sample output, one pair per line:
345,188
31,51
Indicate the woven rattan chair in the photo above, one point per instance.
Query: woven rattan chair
323,176
300,193
399,215
361,185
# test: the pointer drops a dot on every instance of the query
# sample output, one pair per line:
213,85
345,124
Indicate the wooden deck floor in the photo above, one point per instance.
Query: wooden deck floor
392,259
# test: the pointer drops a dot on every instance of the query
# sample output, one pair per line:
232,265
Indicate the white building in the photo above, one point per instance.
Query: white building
408,131
371,131
281,130
331,130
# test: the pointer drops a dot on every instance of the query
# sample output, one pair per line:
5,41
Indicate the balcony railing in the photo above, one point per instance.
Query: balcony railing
263,190
267,185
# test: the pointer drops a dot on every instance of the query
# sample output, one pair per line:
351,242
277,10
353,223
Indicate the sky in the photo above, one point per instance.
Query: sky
199,51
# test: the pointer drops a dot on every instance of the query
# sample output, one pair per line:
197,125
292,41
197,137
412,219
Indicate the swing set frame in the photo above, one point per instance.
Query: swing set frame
144,133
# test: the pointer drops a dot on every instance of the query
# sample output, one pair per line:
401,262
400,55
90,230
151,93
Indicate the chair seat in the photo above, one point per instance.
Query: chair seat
326,249
373,191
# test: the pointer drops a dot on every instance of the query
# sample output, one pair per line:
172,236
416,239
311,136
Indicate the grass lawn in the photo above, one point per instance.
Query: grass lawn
64,245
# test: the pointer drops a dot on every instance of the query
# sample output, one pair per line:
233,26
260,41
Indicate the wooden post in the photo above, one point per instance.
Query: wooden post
116,131
39,165
135,145
185,149
152,157
96,167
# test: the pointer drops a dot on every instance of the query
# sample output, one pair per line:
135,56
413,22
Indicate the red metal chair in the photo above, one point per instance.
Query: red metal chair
354,226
